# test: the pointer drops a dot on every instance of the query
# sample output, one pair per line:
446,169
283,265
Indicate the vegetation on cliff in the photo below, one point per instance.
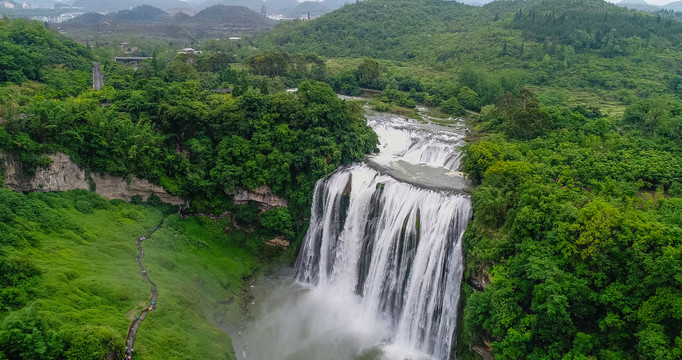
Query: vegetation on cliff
576,232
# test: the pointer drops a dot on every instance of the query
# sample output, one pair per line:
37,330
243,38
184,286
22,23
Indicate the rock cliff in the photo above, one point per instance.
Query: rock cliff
262,195
63,175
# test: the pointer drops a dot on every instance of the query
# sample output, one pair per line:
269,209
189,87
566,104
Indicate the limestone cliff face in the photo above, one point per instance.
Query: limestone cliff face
63,175
262,195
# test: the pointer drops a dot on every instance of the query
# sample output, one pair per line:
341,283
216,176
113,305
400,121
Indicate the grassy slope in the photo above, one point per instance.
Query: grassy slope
90,277
198,276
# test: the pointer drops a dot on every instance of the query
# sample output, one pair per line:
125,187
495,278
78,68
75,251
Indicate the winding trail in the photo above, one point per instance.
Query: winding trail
135,324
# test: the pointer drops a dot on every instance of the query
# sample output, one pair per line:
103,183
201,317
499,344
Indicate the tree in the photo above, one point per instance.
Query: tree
24,334
469,99
452,107
270,63
368,72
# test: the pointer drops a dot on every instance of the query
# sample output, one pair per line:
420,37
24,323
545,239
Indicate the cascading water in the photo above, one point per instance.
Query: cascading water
418,144
379,271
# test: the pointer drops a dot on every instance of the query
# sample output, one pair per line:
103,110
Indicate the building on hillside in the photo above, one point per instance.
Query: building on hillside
235,38
190,51
263,11
9,5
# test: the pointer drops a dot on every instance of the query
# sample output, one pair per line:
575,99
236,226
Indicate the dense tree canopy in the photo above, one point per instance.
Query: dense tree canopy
575,235
24,53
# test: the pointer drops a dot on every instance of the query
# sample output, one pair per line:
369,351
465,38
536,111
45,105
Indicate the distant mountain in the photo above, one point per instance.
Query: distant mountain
86,20
644,6
254,5
283,7
335,4
232,16
309,7
215,21
638,5
109,5
674,6
143,13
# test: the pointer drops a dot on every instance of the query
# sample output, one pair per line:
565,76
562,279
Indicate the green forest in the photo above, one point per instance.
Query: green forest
577,232
575,146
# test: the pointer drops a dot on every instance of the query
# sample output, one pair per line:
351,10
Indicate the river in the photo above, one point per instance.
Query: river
379,271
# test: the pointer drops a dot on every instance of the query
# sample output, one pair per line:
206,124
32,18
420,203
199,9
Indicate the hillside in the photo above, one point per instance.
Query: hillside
145,13
254,5
231,17
70,286
23,56
555,45
347,32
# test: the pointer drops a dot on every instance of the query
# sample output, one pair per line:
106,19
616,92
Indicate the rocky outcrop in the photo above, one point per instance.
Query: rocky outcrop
262,195
278,242
63,175
484,352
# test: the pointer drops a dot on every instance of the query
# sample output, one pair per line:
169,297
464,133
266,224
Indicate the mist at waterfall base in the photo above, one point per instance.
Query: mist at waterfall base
379,270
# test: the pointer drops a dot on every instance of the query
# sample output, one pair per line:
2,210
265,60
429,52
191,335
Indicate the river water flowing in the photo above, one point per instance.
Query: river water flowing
379,271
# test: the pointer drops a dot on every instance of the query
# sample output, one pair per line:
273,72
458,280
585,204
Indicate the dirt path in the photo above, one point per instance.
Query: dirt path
135,324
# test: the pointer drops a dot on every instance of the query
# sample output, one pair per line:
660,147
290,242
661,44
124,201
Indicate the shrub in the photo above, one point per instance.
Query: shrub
153,200
278,220
452,107
136,199
246,214
84,206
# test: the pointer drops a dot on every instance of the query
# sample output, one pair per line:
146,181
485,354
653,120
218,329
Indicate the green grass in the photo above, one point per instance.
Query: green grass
89,281
199,273
91,278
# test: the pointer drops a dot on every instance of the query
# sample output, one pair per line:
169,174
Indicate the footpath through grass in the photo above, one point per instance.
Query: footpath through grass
69,286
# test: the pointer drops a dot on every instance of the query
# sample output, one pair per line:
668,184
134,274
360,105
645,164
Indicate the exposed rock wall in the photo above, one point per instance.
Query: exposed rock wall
262,195
63,175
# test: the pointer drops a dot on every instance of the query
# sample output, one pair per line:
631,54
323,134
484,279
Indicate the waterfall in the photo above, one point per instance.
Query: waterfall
396,246
379,270
418,144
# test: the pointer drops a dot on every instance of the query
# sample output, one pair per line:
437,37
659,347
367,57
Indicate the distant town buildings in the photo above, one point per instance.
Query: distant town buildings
190,51
276,17
59,18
